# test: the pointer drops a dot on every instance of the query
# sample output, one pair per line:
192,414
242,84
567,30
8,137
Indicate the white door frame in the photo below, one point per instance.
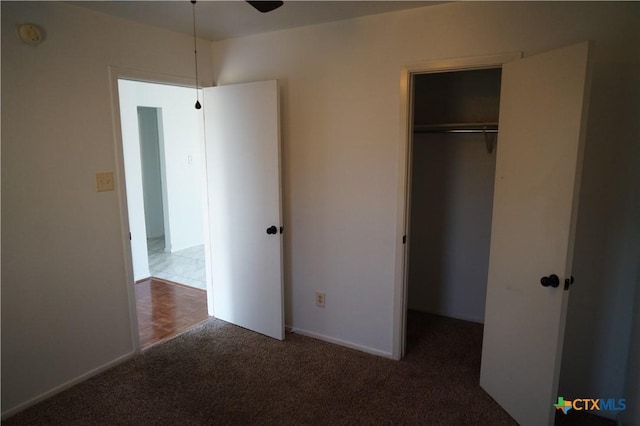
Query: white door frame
404,172
116,73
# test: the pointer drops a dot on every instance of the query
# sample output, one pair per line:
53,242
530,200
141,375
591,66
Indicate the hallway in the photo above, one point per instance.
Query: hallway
184,266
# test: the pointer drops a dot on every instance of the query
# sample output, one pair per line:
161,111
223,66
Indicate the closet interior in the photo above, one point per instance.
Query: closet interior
453,158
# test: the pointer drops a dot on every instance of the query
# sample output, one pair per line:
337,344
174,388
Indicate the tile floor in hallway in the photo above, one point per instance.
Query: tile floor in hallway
183,266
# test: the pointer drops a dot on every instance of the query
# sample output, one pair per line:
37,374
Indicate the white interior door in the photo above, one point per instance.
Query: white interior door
242,138
543,107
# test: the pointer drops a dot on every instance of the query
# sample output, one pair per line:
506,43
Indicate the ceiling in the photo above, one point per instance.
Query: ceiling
219,20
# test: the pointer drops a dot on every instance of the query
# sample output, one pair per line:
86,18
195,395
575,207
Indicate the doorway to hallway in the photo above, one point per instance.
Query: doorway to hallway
165,180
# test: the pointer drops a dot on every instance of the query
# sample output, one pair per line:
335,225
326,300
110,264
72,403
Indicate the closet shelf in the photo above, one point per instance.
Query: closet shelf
456,128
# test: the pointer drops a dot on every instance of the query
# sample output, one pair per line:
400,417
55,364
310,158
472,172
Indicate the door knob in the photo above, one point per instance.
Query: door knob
272,230
552,280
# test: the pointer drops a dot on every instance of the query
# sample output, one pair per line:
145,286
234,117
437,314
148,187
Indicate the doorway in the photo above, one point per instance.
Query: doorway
164,171
459,117
238,152
543,107
184,265
455,123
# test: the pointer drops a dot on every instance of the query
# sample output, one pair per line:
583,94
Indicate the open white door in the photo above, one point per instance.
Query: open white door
543,107
242,138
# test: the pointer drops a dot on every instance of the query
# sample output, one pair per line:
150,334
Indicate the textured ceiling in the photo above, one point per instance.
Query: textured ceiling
219,20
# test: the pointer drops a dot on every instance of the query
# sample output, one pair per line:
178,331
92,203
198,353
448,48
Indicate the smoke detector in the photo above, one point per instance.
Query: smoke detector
30,33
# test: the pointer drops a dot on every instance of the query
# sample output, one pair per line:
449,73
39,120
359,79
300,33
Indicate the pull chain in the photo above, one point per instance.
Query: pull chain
195,54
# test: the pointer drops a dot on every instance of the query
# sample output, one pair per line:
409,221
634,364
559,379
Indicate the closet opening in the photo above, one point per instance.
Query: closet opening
451,162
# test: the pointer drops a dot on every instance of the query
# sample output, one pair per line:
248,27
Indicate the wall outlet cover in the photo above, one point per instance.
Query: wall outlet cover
104,181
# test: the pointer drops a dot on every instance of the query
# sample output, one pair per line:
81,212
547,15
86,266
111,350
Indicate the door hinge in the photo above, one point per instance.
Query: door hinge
129,236
404,239
281,229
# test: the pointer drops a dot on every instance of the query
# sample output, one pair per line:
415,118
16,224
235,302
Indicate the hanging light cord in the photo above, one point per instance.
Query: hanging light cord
195,54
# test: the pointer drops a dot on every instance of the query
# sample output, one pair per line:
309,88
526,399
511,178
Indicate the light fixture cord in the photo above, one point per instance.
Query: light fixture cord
195,53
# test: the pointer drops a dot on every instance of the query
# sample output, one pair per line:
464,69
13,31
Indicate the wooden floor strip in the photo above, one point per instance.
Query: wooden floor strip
166,309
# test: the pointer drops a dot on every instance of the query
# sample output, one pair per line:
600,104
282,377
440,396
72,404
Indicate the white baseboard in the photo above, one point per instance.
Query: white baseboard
341,342
10,412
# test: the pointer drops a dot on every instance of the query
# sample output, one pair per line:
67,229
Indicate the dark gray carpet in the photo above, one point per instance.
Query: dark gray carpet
218,373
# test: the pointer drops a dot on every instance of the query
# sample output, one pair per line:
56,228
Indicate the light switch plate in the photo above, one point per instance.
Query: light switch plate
104,182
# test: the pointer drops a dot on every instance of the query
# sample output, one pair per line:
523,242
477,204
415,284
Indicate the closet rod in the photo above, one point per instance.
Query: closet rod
456,128
484,128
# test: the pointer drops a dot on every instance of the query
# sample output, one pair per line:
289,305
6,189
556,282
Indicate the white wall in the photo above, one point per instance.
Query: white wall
65,307
149,122
340,103
181,155
607,246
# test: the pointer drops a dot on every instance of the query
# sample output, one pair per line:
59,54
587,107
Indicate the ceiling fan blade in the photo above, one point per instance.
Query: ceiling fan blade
265,6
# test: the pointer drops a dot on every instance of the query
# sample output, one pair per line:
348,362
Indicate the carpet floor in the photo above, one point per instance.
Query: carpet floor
220,374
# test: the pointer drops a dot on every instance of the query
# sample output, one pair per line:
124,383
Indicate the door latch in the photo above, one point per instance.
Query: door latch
568,282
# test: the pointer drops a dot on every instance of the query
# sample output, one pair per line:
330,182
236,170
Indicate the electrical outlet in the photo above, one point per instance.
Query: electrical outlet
320,299
104,182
